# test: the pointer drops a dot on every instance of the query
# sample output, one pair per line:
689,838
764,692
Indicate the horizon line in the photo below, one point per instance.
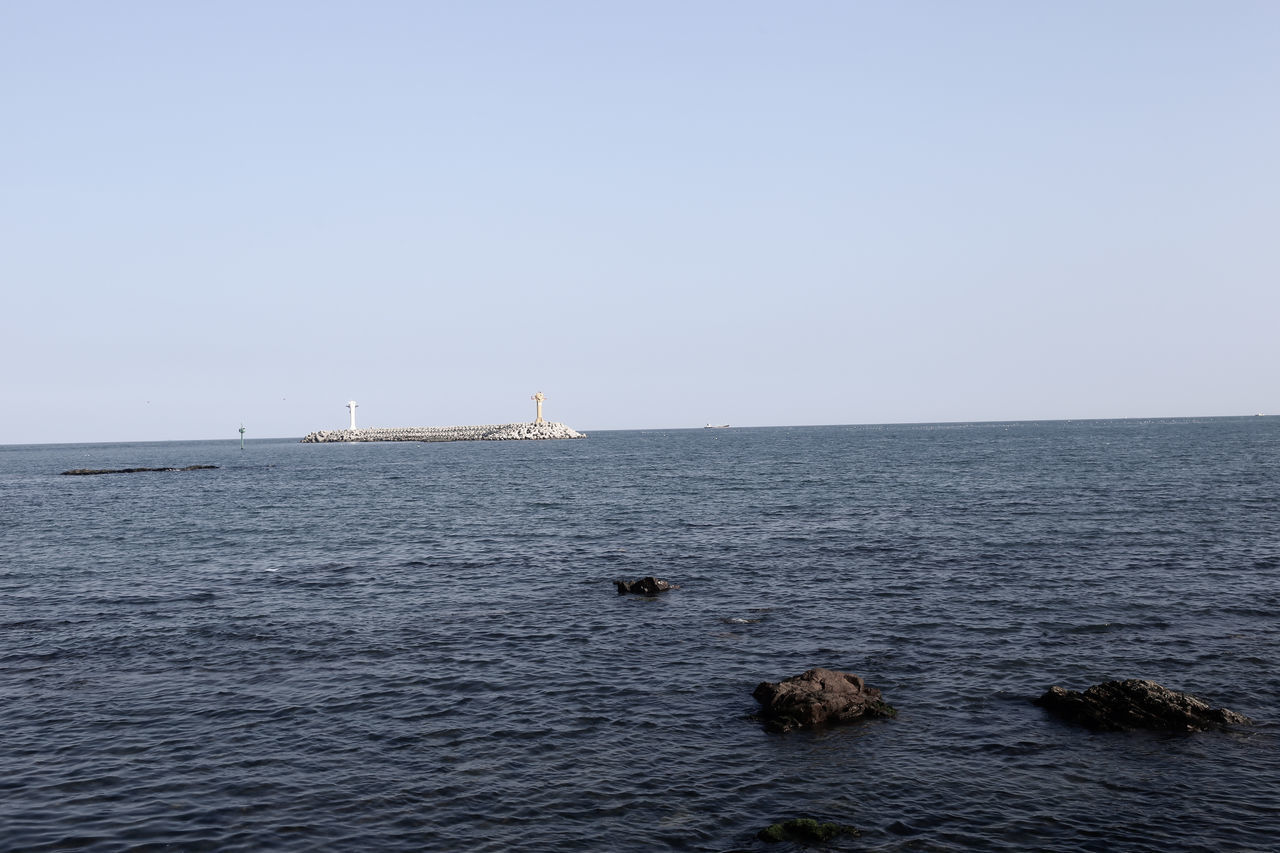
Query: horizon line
589,430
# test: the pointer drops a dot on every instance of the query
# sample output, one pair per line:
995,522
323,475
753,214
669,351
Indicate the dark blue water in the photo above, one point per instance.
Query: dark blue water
419,647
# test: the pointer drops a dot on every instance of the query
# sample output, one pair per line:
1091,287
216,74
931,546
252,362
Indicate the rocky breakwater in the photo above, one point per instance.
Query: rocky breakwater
487,432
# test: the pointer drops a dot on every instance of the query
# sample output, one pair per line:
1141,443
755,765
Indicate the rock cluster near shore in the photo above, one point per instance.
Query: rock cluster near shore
487,432
821,697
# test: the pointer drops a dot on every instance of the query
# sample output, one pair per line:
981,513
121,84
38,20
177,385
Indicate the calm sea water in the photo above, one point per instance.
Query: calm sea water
419,646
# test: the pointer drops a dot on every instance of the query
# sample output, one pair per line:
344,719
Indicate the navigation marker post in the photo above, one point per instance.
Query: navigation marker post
353,405
242,435
538,398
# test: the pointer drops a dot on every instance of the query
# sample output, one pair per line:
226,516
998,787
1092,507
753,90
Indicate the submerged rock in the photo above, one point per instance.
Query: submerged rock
805,830
85,472
1117,706
645,586
818,697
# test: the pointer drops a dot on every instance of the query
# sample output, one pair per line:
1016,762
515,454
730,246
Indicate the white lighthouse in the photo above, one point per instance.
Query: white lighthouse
352,405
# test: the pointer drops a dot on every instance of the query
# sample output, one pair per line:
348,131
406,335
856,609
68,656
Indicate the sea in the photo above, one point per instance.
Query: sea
420,647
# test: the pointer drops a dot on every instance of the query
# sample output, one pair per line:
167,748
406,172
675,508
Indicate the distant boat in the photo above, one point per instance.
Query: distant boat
716,426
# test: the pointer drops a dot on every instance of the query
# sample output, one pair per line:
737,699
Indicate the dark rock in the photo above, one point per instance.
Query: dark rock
817,697
645,586
81,472
1117,706
805,830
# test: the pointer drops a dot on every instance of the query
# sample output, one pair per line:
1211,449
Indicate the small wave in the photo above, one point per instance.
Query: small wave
1022,747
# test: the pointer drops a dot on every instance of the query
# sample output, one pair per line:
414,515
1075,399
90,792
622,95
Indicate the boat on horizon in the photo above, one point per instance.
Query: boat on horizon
716,426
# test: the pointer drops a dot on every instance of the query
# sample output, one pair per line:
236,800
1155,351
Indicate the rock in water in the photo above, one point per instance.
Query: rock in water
817,697
1117,706
645,586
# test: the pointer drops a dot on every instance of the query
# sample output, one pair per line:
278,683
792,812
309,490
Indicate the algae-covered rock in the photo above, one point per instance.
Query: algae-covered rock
805,830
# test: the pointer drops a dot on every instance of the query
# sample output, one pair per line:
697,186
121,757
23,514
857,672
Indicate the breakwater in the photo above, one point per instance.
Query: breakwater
486,432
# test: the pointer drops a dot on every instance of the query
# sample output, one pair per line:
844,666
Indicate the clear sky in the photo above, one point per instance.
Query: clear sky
661,214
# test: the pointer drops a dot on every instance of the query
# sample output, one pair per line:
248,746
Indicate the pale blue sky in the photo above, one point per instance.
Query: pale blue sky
662,214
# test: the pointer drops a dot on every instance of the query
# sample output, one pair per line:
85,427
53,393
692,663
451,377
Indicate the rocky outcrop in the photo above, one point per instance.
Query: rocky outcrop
645,586
818,697
81,472
486,432
1115,706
